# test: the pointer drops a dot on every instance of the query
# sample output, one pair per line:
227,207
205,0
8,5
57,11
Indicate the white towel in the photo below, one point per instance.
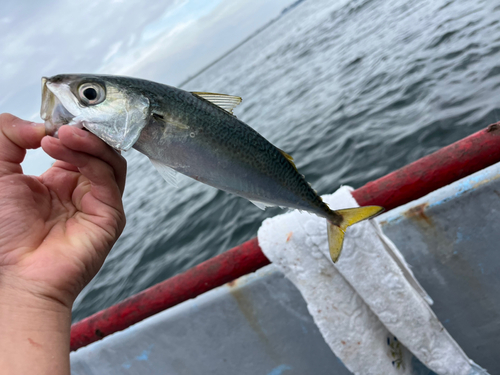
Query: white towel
369,307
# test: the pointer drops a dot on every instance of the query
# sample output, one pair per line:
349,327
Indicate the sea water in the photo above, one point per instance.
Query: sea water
352,89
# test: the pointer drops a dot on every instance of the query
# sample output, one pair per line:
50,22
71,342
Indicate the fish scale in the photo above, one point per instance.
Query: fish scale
195,134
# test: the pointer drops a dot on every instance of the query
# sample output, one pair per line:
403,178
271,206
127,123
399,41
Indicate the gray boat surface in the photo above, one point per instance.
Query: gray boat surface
259,323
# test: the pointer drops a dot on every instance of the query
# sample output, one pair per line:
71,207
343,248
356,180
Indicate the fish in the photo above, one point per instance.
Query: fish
193,133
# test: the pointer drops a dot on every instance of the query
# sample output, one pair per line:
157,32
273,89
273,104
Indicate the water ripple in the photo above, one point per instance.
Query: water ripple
353,89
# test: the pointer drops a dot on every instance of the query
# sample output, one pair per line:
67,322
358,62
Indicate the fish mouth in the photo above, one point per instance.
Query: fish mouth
53,111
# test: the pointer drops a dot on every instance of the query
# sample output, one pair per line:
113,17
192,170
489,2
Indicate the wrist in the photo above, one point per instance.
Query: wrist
28,311
34,334
21,286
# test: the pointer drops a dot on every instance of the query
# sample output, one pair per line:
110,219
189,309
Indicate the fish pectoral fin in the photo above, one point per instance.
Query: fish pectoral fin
160,117
261,205
226,102
166,172
350,216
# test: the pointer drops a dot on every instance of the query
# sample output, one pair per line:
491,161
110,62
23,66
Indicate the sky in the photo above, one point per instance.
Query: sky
165,41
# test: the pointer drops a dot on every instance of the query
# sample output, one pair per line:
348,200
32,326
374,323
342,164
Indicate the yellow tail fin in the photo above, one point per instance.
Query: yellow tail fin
350,216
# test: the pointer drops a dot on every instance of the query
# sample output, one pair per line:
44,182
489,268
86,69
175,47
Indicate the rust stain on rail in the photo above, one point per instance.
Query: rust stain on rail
418,213
233,283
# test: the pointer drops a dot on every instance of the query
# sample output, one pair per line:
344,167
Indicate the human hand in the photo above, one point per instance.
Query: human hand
55,232
57,229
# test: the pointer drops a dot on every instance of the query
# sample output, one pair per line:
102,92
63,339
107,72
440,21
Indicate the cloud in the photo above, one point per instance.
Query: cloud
197,40
165,41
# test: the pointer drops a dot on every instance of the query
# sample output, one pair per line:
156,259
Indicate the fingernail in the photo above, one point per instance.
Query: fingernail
50,139
80,133
40,127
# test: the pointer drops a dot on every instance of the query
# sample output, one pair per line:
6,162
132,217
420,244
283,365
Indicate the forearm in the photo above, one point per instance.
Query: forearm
34,335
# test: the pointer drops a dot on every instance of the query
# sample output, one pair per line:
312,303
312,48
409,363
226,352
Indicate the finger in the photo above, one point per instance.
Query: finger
95,195
84,141
64,165
103,184
16,136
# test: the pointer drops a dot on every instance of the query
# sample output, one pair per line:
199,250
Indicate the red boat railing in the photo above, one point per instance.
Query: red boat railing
413,181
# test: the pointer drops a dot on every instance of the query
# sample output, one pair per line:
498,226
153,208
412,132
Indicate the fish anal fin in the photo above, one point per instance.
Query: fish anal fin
226,102
166,172
261,205
349,216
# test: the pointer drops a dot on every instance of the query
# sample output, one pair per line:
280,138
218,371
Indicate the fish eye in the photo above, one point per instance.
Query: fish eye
91,93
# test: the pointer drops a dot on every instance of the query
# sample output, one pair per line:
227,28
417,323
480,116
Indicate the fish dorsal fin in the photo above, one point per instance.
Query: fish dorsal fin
226,102
288,157
166,172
